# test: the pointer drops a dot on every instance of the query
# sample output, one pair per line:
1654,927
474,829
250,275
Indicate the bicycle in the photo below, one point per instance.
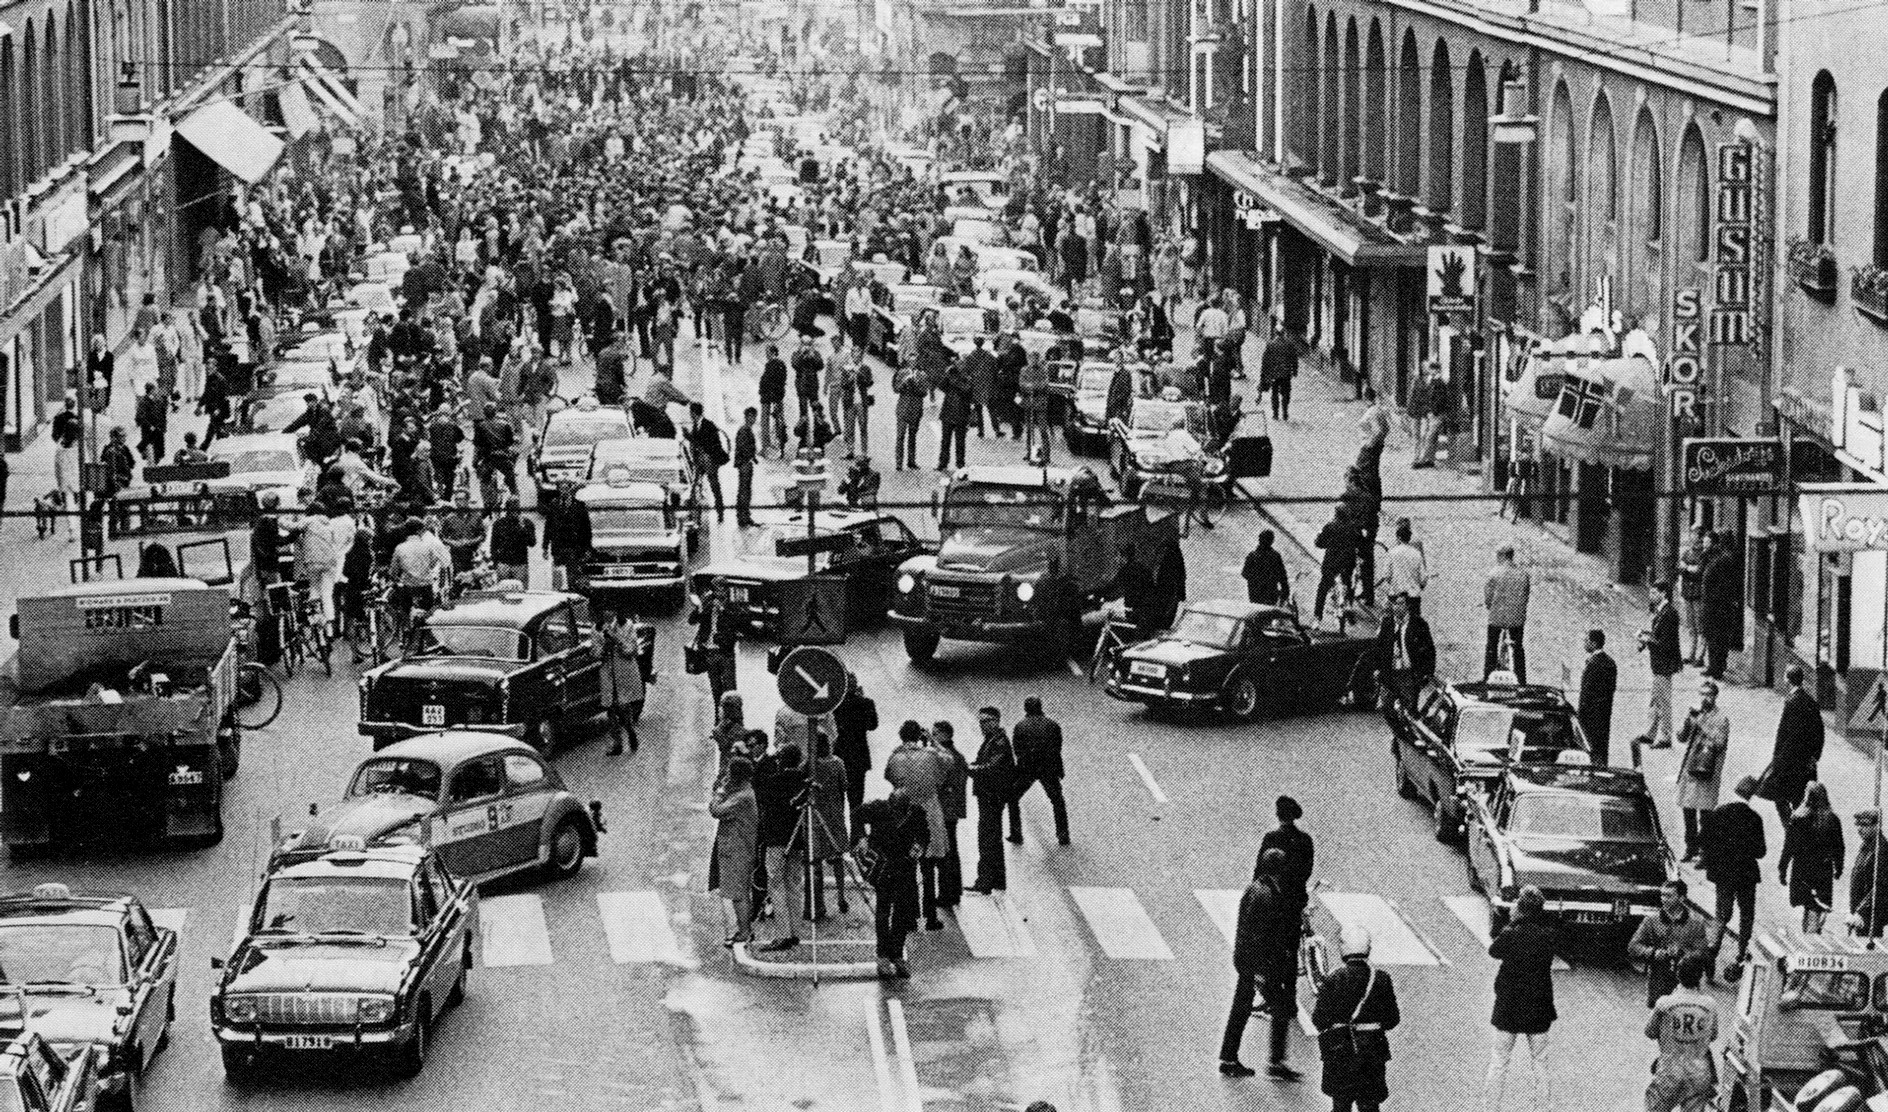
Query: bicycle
770,319
300,627
258,696
1117,633
373,636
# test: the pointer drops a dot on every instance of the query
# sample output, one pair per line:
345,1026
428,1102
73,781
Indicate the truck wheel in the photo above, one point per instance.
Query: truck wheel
920,645
1242,699
1130,488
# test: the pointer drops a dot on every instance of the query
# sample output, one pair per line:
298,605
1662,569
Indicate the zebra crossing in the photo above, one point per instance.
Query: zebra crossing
640,927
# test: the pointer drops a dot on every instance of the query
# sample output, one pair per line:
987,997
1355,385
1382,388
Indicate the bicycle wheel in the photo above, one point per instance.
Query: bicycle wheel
321,646
774,321
258,696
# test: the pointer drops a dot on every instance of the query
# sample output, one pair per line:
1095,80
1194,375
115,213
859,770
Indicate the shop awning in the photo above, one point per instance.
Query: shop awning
232,140
1152,113
1336,227
1534,395
1608,413
114,171
329,92
297,116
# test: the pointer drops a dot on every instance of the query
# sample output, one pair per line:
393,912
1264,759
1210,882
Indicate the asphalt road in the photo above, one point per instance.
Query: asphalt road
1099,981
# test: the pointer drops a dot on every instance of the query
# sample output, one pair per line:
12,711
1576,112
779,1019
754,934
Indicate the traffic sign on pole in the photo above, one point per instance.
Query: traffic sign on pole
813,611
812,681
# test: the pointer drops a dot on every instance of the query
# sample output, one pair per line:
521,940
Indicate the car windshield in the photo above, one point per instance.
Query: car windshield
1584,817
585,431
80,953
1215,631
402,775
1012,507
627,521
1483,729
1094,380
251,461
495,642
1153,416
378,907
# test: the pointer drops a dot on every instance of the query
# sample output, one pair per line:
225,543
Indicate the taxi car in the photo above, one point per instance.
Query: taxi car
488,805
1244,659
93,972
959,326
1158,440
662,460
355,952
520,663
981,187
1587,837
638,540
863,546
1457,737
1085,414
1806,1023
35,1077
562,452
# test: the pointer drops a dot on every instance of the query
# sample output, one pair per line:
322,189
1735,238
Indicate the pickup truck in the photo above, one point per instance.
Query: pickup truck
1024,553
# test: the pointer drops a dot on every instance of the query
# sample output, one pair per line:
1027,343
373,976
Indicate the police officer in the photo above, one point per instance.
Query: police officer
1355,1011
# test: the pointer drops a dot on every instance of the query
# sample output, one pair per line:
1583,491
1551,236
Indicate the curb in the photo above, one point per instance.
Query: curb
808,970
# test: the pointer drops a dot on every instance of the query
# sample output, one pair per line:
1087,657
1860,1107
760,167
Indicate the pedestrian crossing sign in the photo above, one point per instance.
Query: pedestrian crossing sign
1868,714
813,611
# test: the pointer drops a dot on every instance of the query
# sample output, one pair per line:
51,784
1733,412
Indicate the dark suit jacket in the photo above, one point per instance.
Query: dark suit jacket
1599,678
1266,942
1732,840
1798,748
1419,648
1038,742
1664,654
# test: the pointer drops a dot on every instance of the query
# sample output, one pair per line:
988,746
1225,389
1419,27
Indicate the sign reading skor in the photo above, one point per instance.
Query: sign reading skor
1846,519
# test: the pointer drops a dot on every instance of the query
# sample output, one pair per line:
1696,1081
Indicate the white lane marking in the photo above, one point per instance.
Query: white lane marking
170,918
637,927
1472,912
514,931
1392,942
992,928
1222,907
1074,668
1147,778
881,1065
1121,925
907,1061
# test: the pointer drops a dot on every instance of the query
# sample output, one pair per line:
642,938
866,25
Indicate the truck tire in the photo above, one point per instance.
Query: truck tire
920,645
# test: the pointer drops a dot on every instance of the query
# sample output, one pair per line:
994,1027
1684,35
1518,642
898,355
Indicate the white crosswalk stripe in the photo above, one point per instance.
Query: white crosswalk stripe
1392,940
513,932
637,927
1472,911
993,927
1222,907
170,918
1121,926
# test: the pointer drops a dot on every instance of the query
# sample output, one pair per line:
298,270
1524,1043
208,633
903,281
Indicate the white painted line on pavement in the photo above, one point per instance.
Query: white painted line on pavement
881,1065
1472,912
1222,907
1147,778
170,918
515,932
1392,942
637,927
907,1061
1121,925
1074,668
992,928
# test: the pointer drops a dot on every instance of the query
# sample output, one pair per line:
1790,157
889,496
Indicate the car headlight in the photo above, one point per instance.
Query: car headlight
1025,591
907,583
239,1009
374,1009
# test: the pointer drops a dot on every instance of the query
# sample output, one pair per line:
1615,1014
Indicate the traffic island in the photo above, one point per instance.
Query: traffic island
846,959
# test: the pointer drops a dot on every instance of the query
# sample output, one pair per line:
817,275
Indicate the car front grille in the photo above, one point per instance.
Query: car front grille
306,1009
961,600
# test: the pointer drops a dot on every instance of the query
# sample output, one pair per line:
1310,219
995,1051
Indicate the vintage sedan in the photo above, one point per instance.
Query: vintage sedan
487,804
1587,837
663,460
960,325
1085,415
562,454
639,541
864,547
1159,440
36,1077
1244,659
891,320
93,972
520,663
1457,738
356,952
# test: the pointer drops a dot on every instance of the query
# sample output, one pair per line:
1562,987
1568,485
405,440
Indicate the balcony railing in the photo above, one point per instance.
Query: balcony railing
1868,291
1814,272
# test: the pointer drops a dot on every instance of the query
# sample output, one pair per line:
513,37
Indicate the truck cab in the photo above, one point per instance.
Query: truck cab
1809,1004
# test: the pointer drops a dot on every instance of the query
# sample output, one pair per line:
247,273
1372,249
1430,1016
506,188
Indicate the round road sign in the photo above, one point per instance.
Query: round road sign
812,681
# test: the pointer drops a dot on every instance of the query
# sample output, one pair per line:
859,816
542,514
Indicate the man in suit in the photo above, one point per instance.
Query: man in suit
1294,874
1599,678
1265,962
992,780
1406,653
1733,850
1798,748
1037,740
1664,657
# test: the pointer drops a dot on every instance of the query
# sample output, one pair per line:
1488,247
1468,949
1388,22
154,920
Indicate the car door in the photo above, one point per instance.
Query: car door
1482,821
1431,731
435,972
467,831
528,793
147,1008
583,671
155,974
458,915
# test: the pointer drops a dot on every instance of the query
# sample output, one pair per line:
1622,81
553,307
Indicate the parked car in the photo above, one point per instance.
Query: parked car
652,459
1159,440
37,1077
1244,659
356,953
95,974
1456,739
487,804
520,663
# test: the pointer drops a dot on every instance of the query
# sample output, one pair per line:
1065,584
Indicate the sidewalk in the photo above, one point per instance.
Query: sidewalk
1571,594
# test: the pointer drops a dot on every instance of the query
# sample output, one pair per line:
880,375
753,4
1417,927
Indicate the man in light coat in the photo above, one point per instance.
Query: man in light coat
921,771
1706,736
1506,596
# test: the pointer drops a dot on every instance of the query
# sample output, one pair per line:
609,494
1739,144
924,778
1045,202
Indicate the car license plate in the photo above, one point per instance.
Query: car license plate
184,776
1143,668
308,1042
1622,908
945,592
737,594
432,714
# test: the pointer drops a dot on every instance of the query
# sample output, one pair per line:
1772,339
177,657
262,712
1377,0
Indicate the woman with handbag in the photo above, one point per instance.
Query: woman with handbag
889,835
1356,1010
1813,853
731,870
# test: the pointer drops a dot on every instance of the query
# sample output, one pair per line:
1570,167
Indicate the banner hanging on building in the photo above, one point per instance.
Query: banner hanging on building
1452,279
1186,147
1843,518
1734,210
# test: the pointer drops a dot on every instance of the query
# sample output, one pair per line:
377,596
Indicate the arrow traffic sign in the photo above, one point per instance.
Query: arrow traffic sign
1871,711
812,681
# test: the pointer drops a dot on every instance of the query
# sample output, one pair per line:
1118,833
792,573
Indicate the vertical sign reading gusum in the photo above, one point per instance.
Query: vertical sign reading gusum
1734,204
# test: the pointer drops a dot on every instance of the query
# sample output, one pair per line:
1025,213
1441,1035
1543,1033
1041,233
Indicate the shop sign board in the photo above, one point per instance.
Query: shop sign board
1734,234
1186,146
1731,465
1452,280
1684,370
1843,518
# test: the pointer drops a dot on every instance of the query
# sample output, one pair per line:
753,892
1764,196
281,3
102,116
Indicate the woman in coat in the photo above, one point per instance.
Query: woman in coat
1706,735
1813,852
737,834
730,732
1524,997
919,771
623,690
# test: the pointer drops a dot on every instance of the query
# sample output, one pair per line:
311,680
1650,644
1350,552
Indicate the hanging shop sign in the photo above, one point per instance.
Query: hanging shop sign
1186,146
1843,518
1734,235
1731,465
1684,370
1451,279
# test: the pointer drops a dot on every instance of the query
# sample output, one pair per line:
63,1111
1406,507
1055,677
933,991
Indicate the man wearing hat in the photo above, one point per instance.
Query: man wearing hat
1356,1010
1294,874
1868,878
1733,849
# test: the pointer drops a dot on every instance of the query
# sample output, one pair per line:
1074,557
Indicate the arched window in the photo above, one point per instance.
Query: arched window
9,154
1352,161
1328,126
51,105
1646,195
1602,160
1563,168
1473,209
1309,82
1822,159
1441,194
1374,116
1409,118
30,164
1693,212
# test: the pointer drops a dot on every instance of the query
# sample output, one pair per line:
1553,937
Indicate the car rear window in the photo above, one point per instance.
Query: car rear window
1483,729
1601,818
402,775
78,953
